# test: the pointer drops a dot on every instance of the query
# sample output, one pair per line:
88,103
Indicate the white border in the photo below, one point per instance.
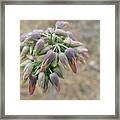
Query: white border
106,15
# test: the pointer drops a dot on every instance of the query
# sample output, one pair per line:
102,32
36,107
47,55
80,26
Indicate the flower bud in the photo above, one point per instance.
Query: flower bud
63,59
50,30
45,50
31,57
25,63
71,36
70,53
39,45
24,51
60,32
27,71
23,37
61,24
68,41
49,57
55,80
32,84
41,77
81,49
58,71
35,35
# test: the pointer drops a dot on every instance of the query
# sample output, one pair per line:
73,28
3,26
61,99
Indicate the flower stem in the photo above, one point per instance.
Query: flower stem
63,45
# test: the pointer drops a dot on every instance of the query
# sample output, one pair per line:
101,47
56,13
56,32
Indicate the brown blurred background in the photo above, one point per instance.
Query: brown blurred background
85,85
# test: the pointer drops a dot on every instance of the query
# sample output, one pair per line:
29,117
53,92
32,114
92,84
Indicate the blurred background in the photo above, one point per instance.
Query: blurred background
85,84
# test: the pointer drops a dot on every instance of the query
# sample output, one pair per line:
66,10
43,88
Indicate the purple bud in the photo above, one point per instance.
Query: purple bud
58,71
68,41
23,37
63,59
46,49
41,78
60,32
55,80
27,71
70,53
61,24
50,56
71,36
32,84
35,35
24,51
50,30
39,45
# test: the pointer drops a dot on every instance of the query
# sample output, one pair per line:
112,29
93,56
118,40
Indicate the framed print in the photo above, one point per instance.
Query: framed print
60,59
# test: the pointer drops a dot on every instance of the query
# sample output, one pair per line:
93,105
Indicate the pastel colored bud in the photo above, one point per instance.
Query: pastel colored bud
58,71
45,50
49,57
71,55
24,51
25,63
60,32
81,49
27,71
68,41
23,37
41,77
81,58
50,30
55,61
31,57
55,80
39,45
32,84
61,24
35,35
63,59
45,39
71,36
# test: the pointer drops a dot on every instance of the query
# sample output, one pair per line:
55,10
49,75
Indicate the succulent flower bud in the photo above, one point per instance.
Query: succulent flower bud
68,41
32,84
25,63
39,45
60,32
45,50
50,30
35,35
24,51
81,49
31,57
58,71
55,80
63,59
70,53
71,36
49,57
61,24
27,71
41,77
23,37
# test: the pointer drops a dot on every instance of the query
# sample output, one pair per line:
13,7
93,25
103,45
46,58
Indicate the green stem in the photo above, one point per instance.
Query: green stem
63,45
59,48
50,70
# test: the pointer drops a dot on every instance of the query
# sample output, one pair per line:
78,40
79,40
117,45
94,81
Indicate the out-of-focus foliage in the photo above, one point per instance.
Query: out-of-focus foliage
84,84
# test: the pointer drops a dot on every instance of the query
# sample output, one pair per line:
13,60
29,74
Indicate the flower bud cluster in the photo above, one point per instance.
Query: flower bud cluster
44,52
